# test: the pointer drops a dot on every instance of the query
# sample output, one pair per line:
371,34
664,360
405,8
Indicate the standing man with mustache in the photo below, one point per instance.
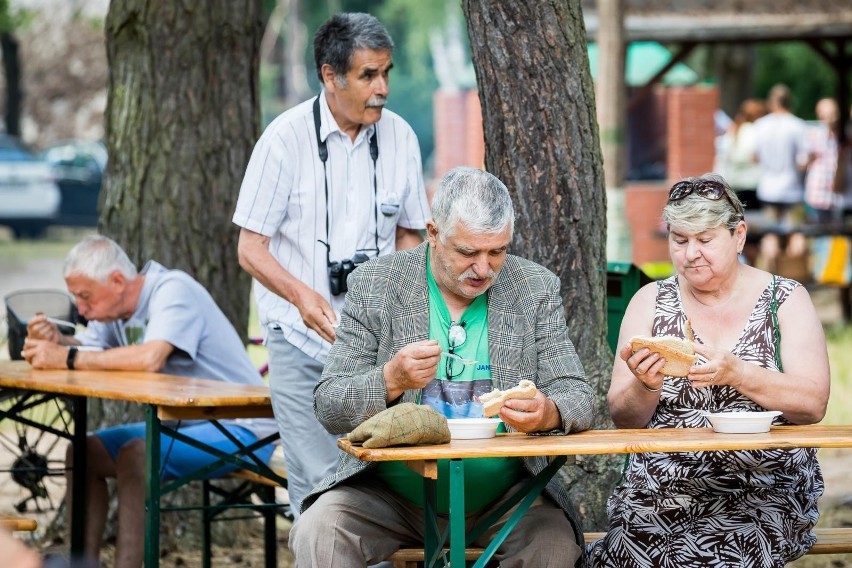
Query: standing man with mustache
331,183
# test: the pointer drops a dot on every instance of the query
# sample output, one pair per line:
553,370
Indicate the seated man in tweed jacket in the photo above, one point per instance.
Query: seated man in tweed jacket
459,293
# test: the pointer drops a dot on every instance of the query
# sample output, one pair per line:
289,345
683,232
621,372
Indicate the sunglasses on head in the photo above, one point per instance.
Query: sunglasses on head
708,189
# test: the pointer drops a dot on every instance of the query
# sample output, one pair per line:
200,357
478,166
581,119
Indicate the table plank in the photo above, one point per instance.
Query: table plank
613,442
167,397
134,386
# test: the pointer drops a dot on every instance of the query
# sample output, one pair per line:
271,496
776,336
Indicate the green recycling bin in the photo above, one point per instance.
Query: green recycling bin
623,279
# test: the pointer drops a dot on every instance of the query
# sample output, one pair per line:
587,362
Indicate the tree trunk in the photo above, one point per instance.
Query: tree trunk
12,76
611,94
541,139
735,70
182,119
183,115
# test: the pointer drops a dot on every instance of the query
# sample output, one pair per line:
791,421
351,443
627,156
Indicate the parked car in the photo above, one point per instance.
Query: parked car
78,167
29,198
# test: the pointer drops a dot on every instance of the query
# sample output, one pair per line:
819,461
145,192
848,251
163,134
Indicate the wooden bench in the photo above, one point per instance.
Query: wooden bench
829,541
832,541
18,524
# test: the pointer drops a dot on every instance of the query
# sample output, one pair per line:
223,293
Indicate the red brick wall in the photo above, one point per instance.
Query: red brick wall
691,132
643,205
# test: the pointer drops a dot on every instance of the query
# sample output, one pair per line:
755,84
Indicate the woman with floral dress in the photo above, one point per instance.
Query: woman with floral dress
761,347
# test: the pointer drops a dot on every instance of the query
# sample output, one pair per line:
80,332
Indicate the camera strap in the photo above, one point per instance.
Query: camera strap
322,150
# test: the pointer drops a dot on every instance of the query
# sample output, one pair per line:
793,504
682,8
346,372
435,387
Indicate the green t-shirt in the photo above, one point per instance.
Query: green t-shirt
454,398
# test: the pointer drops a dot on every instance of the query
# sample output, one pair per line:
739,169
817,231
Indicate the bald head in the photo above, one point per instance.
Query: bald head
827,111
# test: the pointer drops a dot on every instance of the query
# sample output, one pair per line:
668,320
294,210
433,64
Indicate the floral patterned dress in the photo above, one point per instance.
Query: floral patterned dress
724,508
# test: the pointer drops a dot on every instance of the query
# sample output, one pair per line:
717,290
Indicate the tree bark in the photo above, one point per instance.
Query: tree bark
735,70
183,115
12,76
182,119
541,139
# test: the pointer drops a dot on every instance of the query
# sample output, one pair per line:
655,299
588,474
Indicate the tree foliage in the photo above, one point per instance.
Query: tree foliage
798,66
794,63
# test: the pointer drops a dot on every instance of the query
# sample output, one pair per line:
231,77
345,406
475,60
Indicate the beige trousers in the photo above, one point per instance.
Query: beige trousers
363,522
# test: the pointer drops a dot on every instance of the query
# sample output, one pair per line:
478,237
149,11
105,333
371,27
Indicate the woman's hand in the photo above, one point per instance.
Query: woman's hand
645,366
721,368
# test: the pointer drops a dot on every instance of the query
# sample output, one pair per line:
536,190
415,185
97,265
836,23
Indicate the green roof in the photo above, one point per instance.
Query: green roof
644,60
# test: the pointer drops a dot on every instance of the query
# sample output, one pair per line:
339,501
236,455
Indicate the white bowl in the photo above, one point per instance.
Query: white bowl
472,428
742,422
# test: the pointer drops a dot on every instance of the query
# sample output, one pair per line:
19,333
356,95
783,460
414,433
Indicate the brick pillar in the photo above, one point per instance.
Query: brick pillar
644,202
691,132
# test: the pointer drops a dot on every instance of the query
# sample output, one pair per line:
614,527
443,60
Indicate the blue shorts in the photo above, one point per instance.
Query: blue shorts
180,459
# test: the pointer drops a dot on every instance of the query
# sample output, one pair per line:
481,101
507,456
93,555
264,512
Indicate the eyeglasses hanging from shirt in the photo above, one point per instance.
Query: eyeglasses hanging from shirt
339,271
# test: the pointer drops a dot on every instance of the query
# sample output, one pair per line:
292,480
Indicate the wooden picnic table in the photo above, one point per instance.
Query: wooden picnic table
424,460
166,398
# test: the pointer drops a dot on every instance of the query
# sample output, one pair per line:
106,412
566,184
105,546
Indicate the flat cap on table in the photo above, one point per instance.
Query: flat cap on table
405,424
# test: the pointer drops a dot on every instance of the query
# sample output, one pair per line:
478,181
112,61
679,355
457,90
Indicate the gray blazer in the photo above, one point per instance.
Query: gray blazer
387,308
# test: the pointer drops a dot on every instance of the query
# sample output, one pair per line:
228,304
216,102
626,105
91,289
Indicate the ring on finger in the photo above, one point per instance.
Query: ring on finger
639,371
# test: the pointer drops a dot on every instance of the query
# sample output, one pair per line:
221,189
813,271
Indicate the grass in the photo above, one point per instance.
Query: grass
839,340
56,244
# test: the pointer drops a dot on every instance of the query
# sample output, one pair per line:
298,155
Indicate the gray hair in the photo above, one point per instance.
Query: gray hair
338,38
97,257
475,198
695,213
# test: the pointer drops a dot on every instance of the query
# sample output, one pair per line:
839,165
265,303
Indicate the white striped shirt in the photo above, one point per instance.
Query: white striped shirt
283,197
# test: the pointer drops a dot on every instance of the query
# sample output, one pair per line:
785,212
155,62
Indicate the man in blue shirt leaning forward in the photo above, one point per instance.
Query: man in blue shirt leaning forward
154,320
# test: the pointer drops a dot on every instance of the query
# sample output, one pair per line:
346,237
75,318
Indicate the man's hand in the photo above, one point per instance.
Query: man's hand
44,354
39,327
537,414
413,367
317,313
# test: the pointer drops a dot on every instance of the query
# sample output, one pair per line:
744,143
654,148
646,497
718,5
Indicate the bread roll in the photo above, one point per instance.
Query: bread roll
493,401
678,353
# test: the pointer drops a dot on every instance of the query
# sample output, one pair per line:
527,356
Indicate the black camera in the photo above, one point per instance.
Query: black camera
339,271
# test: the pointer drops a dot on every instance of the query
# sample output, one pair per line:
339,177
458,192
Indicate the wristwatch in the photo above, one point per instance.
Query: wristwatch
72,354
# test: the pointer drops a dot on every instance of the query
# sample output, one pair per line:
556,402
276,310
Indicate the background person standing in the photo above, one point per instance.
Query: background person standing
822,197
735,152
781,149
331,182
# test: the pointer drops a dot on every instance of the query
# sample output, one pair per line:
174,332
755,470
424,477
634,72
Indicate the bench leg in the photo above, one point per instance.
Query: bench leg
270,532
206,520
